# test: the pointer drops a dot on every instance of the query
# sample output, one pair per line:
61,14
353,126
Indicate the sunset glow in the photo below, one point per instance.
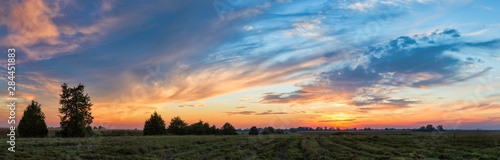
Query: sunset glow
280,63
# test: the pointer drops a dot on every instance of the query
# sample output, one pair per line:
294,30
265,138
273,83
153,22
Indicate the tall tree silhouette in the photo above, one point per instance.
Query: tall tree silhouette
155,125
75,109
32,123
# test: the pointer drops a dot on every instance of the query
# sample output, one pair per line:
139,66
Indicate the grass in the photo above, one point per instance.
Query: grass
291,146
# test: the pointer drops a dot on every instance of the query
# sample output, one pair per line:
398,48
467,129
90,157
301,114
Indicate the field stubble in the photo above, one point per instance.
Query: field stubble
292,146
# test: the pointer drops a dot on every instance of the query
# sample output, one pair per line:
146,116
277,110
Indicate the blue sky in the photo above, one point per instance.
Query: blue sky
365,63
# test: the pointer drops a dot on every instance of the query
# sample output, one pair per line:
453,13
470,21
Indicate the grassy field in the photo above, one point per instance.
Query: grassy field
343,145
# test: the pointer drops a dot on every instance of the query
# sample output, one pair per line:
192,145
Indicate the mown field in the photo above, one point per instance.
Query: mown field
290,146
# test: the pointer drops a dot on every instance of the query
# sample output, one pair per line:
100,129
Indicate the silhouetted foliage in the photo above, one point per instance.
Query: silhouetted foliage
268,130
279,131
430,128
199,128
422,128
253,131
32,123
75,109
228,129
215,130
155,125
206,127
440,128
177,126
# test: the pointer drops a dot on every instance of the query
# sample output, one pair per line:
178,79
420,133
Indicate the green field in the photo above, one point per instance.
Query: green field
341,145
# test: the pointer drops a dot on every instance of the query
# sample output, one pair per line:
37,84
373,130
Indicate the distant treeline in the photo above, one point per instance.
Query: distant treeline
155,125
76,118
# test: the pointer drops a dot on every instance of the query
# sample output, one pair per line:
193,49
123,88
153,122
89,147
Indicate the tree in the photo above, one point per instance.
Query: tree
214,130
268,130
155,125
440,128
421,128
206,127
75,109
279,131
199,128
177,126
228,129
429,128
253,131
32,123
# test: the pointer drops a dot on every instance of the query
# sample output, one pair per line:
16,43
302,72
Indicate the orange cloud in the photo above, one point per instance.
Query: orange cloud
30,22
31,28
184,84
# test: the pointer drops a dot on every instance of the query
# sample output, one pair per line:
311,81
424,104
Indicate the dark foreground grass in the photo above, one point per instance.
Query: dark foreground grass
292,146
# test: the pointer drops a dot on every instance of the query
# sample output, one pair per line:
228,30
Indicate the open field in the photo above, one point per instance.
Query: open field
339,145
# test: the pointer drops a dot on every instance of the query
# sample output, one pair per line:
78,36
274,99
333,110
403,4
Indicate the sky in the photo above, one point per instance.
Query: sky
280,63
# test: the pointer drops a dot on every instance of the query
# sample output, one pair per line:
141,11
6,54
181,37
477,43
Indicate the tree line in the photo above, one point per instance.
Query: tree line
430,128
76,117
155,125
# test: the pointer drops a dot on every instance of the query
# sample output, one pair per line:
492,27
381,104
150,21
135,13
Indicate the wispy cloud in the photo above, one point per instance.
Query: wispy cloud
377,58
339,120
417,61
268,112
42,30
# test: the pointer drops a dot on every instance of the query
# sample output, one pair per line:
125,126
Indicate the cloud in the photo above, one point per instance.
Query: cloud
241,113
362,6
340,120
198,104
173,67
30,22
248,28
228,11
40,28
407,61
268,112
369,100
480,106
